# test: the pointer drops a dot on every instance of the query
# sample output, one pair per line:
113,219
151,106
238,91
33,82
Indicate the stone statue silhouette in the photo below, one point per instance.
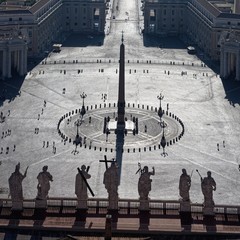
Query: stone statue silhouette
81,187
145,183
184,185
15,184
208,185
111,182
43,186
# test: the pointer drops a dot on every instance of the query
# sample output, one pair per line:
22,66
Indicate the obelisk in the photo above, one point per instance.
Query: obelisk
121,89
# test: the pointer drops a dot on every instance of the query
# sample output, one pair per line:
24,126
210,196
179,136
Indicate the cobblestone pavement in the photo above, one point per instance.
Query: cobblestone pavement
207,105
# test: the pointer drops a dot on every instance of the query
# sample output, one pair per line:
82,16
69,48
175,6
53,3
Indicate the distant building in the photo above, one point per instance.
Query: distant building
202,21
45,22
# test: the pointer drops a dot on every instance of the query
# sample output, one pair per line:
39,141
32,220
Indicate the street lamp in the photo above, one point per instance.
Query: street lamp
160,111
83,110
78,139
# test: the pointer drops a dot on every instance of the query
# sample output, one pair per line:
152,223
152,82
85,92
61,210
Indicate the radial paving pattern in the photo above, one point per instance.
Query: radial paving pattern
148,136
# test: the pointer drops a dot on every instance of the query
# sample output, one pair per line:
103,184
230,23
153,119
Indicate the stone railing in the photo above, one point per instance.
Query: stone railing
126,206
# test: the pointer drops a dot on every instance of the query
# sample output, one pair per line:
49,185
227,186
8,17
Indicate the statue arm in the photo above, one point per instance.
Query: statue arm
153,171
214,185
25,174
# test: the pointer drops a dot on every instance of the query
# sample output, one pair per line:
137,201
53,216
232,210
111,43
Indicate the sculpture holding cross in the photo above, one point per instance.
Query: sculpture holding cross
111,182
81,187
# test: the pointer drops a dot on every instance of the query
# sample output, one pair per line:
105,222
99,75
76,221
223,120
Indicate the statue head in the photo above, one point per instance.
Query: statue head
209,173
45,168
83,167
184,171
17,168
145,169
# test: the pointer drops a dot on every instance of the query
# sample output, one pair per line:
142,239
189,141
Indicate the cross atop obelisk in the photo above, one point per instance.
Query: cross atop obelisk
121,89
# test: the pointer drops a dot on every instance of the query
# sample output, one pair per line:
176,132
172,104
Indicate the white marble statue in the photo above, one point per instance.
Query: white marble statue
184,186
43,186
111,182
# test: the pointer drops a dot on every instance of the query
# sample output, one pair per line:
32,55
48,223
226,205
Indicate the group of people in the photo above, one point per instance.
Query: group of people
111,182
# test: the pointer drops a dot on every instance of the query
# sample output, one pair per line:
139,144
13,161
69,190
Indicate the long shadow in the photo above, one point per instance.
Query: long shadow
163,42
119,149
83,40
232,90
10,88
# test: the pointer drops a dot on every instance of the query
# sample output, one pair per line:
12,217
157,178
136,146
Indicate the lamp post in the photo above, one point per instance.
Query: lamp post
83,110
78,139
160,111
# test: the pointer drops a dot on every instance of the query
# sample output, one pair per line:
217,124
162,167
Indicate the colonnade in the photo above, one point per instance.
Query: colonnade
230,60
13,57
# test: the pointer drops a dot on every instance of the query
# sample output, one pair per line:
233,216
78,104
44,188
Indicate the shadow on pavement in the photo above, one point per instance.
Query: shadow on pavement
232,89
83,40
163,42
10,88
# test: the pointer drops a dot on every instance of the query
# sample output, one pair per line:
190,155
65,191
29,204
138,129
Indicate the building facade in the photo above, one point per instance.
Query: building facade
202,21
44,23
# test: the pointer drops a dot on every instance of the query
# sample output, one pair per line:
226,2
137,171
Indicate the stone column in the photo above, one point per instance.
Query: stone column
222,62
228,64
21,63
237,66
225,63
4,65
25,59
9,74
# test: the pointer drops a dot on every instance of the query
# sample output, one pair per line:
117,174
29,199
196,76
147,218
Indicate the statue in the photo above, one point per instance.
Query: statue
111,182
144,183
184,185
81,187
15,187
43,186
208,185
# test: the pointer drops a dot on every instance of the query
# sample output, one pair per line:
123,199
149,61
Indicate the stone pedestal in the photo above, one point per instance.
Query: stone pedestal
82,204
208,211
144,219
144,205
113,205
17,205
41,203
185,214
185,206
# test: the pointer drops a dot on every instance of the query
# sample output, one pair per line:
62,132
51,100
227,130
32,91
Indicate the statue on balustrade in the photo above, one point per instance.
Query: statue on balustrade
15,187
184,186
111,182
145,183
43,186
208,185
81,187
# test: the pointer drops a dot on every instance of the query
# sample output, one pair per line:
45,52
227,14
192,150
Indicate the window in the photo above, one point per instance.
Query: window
173,12
10,19
164,11
20,19
75,24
